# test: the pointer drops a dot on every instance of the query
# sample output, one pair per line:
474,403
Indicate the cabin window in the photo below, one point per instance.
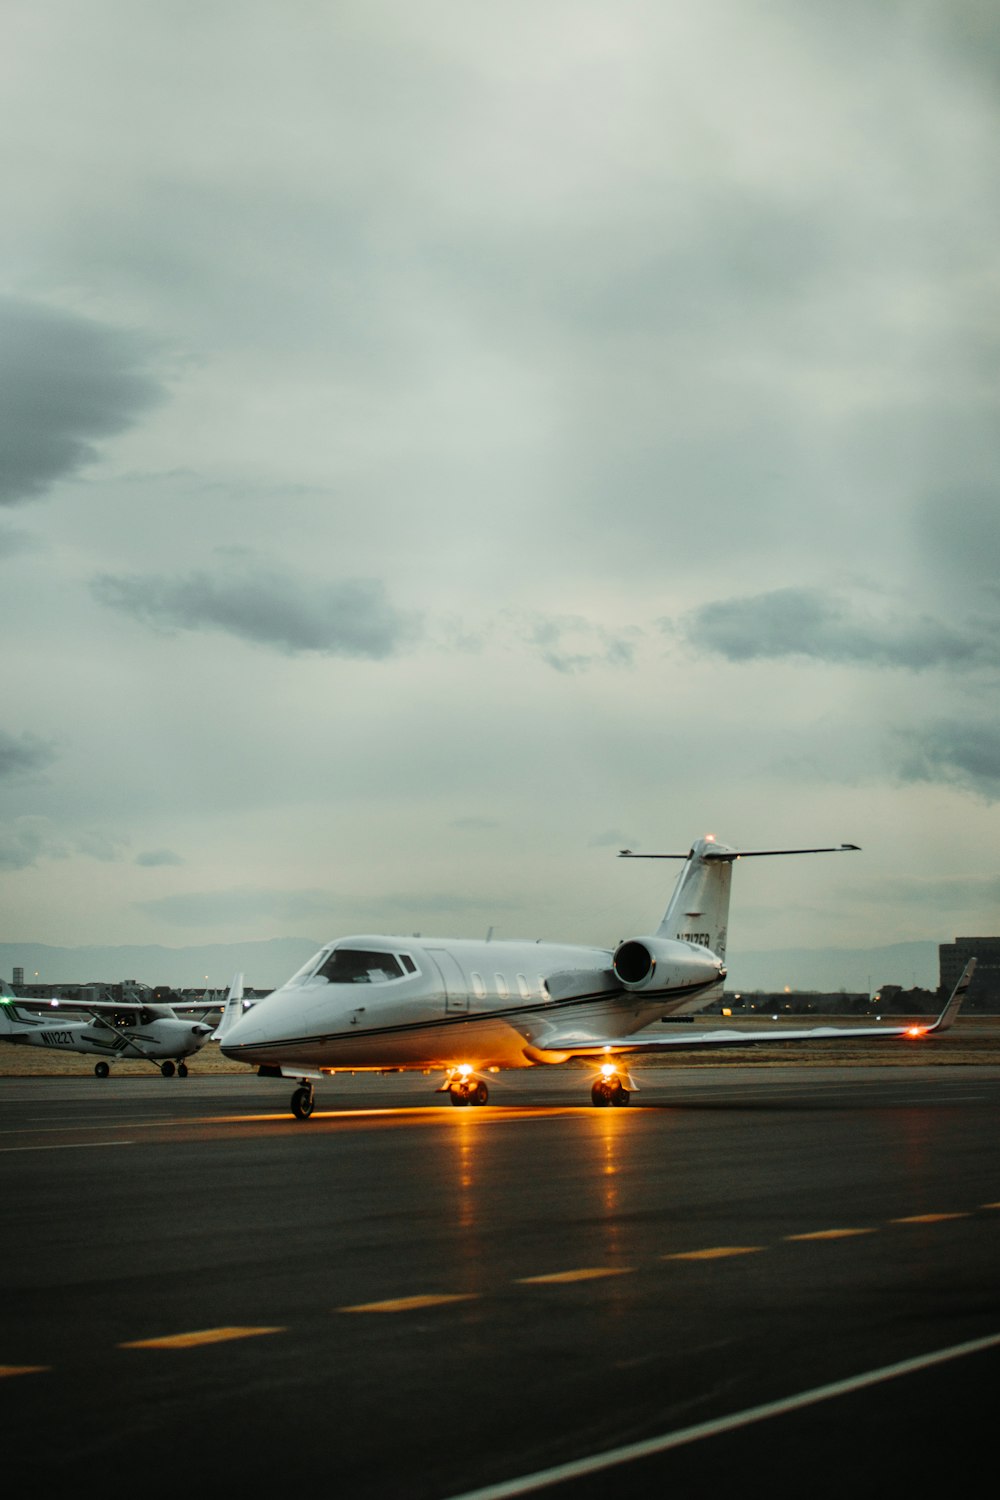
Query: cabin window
478,985
523,988
359,966
501,986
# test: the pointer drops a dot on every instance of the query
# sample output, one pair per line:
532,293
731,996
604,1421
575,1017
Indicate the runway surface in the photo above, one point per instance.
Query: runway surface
399,1298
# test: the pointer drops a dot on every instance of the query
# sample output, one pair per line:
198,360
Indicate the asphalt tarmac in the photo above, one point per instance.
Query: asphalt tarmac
786,1276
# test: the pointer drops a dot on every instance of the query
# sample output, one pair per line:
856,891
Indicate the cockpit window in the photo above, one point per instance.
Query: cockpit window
355,966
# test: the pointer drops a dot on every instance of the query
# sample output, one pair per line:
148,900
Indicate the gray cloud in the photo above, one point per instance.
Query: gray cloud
152,858
957,753
26,840
572,644
813,623
24,754
351,617
65,383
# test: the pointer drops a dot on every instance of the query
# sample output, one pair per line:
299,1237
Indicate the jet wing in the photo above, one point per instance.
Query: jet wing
732,1037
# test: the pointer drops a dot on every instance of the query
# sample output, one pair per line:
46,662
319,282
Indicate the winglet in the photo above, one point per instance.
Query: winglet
955,999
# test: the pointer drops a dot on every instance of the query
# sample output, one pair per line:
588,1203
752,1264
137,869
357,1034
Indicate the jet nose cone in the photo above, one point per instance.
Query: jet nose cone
237,1036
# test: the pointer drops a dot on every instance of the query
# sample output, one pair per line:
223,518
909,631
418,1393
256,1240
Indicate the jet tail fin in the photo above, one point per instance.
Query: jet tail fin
699,907
233,1008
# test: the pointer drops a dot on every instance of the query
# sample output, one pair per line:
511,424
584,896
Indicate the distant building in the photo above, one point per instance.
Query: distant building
984,991
18,976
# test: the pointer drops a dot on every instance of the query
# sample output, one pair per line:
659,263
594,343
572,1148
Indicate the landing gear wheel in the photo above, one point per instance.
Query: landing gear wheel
101,1070
469,1093
182,1071
167,1069
302,1102
609,1091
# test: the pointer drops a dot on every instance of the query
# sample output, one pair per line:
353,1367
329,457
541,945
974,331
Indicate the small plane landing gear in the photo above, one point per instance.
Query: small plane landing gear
303,1102
182,1071
167,1069
101,1069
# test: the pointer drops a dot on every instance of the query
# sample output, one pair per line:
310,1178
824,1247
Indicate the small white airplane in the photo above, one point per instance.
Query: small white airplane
387,1004
115,1029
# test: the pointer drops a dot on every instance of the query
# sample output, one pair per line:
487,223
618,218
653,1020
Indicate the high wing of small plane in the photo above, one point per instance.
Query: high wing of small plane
474,1008
111,1029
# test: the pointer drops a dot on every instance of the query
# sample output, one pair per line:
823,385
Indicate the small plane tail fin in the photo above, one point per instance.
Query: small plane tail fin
699,907
233,1008
11,1023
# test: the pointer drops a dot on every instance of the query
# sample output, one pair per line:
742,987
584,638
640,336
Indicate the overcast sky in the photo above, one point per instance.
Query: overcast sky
444,442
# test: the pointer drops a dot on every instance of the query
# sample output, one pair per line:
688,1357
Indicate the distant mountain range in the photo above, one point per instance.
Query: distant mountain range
268,963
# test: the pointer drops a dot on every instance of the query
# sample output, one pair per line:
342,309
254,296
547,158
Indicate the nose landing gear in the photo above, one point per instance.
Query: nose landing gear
303,1102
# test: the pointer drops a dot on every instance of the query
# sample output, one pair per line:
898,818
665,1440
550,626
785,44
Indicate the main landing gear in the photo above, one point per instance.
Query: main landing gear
102,1069
464,1087
608,1089
469,1091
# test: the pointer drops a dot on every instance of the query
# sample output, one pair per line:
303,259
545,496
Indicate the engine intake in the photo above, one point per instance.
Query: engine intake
655,963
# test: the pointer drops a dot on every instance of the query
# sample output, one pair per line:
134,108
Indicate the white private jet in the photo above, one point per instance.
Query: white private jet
387,1004
114,1028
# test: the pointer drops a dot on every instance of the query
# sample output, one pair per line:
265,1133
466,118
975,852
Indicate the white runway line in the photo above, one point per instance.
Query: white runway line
579,1468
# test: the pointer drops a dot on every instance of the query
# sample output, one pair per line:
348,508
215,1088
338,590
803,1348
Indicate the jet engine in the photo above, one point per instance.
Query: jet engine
655,963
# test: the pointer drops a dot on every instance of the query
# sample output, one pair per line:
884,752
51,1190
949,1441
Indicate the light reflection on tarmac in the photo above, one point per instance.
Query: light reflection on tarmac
454,1301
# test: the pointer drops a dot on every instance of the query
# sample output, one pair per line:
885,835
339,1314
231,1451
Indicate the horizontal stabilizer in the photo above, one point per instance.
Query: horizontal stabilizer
720,852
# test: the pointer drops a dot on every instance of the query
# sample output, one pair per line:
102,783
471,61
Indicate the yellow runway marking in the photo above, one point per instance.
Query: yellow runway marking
7,1370
829,1234
410,1304
202,1336
989,1205
718,1253
585,1273
928,1218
